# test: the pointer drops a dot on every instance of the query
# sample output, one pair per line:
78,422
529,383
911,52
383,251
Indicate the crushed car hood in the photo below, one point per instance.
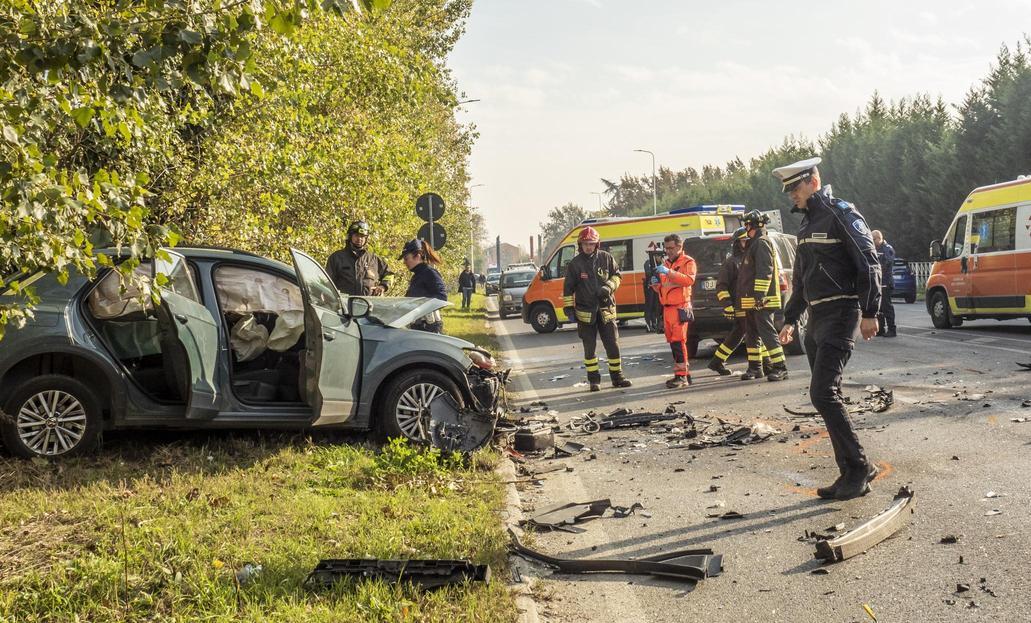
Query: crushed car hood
399,311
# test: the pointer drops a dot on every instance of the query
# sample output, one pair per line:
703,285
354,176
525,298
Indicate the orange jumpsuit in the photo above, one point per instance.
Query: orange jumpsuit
674,290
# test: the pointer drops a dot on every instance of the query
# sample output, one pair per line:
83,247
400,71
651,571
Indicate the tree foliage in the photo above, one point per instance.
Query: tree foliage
907,165
250,123
560,220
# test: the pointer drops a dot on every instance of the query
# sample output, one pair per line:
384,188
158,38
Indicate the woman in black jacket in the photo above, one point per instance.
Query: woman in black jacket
419,256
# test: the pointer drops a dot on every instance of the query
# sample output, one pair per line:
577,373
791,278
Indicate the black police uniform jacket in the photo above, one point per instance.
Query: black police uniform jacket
836,259
356,272
585,275
759,276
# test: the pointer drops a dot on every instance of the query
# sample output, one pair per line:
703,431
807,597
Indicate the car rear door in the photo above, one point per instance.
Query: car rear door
195,329
333,346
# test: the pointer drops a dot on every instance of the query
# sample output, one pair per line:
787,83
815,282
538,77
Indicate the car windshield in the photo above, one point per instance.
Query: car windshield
517,280
494,277
708,254
398,311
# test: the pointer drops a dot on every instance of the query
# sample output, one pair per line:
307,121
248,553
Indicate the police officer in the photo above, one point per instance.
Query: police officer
357,271
672,282
837,279
758,291
726,288
592,279
886,256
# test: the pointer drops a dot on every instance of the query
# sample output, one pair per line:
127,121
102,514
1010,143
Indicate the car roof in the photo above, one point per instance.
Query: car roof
217,253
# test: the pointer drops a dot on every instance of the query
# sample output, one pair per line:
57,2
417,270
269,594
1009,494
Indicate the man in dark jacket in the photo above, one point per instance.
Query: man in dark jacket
357,271
837,279
886,256
588,294
467,284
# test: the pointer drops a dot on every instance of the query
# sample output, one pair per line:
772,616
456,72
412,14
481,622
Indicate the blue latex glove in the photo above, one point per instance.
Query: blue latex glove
654,281
661,269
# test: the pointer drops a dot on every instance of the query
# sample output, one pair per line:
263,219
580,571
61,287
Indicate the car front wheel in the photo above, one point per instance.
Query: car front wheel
941,315
51,416
543,319
405,410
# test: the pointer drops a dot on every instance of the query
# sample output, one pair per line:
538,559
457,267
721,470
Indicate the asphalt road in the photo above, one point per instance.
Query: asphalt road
910,577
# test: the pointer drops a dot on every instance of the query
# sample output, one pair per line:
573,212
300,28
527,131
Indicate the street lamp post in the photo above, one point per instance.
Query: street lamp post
472,258
600,208
655,201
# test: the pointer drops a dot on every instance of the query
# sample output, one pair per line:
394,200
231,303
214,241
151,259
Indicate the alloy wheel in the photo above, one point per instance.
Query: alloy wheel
51,422
413,409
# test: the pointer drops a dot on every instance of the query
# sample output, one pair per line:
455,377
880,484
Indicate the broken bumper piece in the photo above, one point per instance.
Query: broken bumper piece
866,535
456,429
690,565
425,574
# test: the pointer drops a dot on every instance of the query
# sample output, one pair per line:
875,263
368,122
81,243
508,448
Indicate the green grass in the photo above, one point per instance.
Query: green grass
151,530
470,325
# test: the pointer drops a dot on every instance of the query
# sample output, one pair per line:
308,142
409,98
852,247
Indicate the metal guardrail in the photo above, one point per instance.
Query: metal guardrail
921,271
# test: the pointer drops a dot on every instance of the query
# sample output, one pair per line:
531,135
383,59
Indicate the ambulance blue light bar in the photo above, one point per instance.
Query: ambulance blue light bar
711,209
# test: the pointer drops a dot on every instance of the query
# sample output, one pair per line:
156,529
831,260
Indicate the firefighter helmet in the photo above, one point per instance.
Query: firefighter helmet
359,227
589,234
740,234
755,218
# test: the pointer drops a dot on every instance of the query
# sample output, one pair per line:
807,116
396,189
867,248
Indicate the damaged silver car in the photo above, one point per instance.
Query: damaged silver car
236,341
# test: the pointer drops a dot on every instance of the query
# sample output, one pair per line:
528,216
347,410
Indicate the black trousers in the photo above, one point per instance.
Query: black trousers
887,311
589,334
732,341
829,342
762,332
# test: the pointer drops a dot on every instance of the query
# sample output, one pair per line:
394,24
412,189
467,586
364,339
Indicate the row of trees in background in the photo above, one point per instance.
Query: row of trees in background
253,124
907,165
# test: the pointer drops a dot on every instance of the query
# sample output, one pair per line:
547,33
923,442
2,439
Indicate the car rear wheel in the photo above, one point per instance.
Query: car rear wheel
910,299
502,313
51,416
405,410
543,319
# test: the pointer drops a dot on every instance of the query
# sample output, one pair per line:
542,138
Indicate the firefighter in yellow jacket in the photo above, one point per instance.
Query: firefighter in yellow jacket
592,279
673,281
758,291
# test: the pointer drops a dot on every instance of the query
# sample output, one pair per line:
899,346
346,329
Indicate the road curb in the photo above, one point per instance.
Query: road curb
524,600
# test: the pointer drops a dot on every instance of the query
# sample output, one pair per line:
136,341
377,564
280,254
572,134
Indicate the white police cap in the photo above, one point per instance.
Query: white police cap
792,174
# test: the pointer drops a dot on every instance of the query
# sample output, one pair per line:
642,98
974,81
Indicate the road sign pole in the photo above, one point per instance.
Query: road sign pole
433,243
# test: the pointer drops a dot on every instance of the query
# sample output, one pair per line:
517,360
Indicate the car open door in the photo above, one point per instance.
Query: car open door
196,334
333,348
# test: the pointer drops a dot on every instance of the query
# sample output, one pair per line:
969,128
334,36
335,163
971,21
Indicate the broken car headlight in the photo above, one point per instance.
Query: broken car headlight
480,358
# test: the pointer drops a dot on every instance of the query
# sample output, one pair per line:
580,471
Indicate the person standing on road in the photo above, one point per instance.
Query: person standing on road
652,306
357,271
418,256
673,281
588,294
758,291
837,280
886,256
726,293
467,284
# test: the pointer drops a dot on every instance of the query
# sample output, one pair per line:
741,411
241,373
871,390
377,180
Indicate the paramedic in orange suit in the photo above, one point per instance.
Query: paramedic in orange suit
672,282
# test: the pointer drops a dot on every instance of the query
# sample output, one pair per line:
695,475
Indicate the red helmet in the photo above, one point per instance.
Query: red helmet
589,234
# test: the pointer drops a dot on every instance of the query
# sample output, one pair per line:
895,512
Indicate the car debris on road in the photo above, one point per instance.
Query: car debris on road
870,533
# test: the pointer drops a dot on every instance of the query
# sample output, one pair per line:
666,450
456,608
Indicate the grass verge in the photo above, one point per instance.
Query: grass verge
470,324
155,527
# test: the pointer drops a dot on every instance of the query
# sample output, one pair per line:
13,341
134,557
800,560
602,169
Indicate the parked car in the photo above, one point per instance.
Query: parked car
709,253
511,288
492,283
236,341
905,281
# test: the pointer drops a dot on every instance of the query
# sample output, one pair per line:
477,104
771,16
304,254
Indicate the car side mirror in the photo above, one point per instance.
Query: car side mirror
358,307
937,253
545,272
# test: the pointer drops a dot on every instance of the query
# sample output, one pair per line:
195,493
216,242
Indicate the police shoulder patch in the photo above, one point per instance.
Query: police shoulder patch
860,226
841,204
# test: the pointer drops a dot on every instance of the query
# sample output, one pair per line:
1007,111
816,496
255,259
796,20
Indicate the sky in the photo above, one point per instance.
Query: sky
569,88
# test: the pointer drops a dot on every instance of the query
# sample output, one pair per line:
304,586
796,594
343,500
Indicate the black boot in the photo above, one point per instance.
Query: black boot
618,380
830,492
777,372
767,365
719,366
754,371
890,333
857,482
594,379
